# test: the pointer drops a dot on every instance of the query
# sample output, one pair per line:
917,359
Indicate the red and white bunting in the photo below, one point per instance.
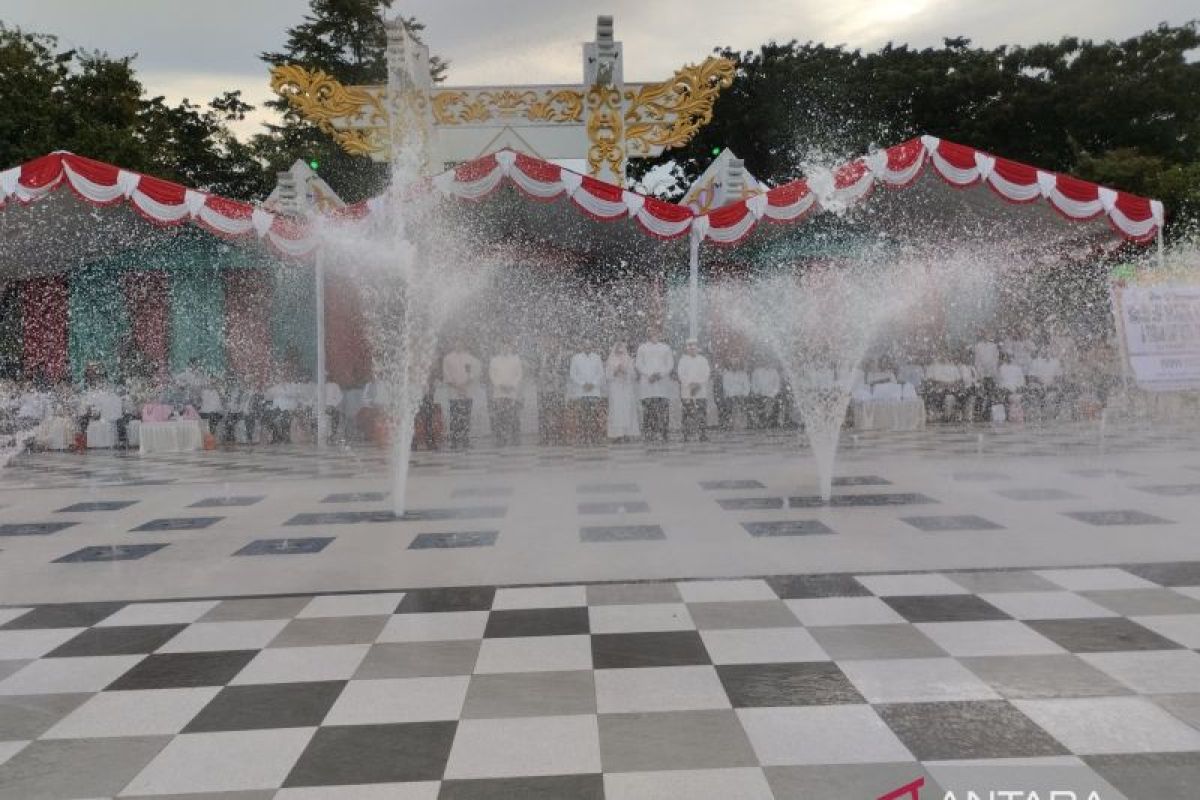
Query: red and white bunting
164,203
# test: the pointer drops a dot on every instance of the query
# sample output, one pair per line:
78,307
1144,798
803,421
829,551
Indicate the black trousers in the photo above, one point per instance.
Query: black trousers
229,436
550,413
279,423
505,422
460,423
590,428
695,419
765,412
655,418
214,421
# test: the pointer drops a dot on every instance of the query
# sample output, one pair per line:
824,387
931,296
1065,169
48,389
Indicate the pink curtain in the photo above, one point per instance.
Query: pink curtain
248,322
347,349
147,299
44,317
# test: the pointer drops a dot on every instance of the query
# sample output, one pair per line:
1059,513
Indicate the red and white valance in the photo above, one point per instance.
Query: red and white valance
164,203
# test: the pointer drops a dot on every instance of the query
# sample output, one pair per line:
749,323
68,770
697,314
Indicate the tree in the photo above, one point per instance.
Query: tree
94,105
348,40
1126,113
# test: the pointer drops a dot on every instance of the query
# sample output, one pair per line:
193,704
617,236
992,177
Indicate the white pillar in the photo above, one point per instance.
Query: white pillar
322,418
694,285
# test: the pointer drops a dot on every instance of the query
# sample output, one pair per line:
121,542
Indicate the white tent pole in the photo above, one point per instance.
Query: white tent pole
694,285
322,421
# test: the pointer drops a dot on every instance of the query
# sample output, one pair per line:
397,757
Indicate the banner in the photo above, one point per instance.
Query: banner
1160,330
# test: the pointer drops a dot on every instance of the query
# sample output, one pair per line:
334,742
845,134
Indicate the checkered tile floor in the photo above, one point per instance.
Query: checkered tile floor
817,686
300,462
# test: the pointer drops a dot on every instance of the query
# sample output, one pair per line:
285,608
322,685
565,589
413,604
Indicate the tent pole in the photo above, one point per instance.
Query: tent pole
322,421
693,285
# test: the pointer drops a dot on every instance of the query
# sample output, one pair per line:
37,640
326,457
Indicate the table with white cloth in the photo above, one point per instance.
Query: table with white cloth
177,436
889,415
56,433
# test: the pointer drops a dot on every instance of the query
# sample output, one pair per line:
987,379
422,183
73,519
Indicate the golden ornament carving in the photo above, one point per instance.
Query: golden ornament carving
668,114
458,107
605,130
327,103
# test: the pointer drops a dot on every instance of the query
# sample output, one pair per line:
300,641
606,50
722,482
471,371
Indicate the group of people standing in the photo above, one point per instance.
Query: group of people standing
619,397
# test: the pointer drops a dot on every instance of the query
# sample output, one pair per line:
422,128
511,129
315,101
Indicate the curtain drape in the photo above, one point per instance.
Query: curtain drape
294,319
99,324
10,329
197,315
44,304
248,322
147,299
347,349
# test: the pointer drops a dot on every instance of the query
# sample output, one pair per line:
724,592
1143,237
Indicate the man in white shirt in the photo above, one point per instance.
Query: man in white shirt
735,386
281,405
693,372
461,372
333,406
765,385
1043,378
943,385
654,363
505,374
1010,381
587,393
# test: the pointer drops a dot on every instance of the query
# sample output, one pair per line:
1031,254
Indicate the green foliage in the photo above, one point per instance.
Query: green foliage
94,105
1124,113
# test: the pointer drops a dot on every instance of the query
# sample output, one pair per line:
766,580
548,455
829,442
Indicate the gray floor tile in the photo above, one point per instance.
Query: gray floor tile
532,694
621,533
1117,517
33,528
537,622
68,768
109,552
1178,573
355,754
749,614
961,522
792,684
419,660
615,507
438,541
1101,635
549,787
1036,494
1144,602
1043,676
986,581
97,505
750,503
790,527
227,502
1184,706
842,781
117,641
177,524
674,740
803,587
276,705
875,641
944,608
65,615
319,631
29,716
968,729
467,598
1161,776
632,593
257,608
285,547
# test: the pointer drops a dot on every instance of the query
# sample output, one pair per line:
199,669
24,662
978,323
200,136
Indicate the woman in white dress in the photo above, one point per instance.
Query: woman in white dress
622,394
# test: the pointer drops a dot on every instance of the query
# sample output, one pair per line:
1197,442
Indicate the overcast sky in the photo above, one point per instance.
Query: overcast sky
196,49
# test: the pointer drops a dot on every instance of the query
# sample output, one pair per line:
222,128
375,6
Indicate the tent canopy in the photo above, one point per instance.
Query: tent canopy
918,186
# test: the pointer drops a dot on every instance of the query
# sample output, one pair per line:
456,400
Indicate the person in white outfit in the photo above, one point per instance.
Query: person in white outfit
212,409
765,385
735,386
587,392
693,371
654,363
505,373
460,372
622,394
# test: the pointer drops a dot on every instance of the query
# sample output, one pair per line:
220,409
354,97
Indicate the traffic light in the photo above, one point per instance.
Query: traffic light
716,151
314,164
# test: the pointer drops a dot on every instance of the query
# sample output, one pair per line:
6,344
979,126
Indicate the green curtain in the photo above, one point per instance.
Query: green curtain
10,329
98,321
294,318
197,314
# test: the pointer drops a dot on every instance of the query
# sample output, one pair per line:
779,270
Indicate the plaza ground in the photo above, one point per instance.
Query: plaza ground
978,606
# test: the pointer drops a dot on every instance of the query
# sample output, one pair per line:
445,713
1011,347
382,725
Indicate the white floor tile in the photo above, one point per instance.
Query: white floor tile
534,654
762,645
1182,628
1151,671
745,783
211,636
135,713
9,614
1095,725
10,749
295,664
988,638
64,675
905,585
640,618
352,605
399,700
851,734
1082,580
486,748
416,790
915,680
844,611
222,762
540,597
658,689
34,643
1046,605
158,613
434,627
